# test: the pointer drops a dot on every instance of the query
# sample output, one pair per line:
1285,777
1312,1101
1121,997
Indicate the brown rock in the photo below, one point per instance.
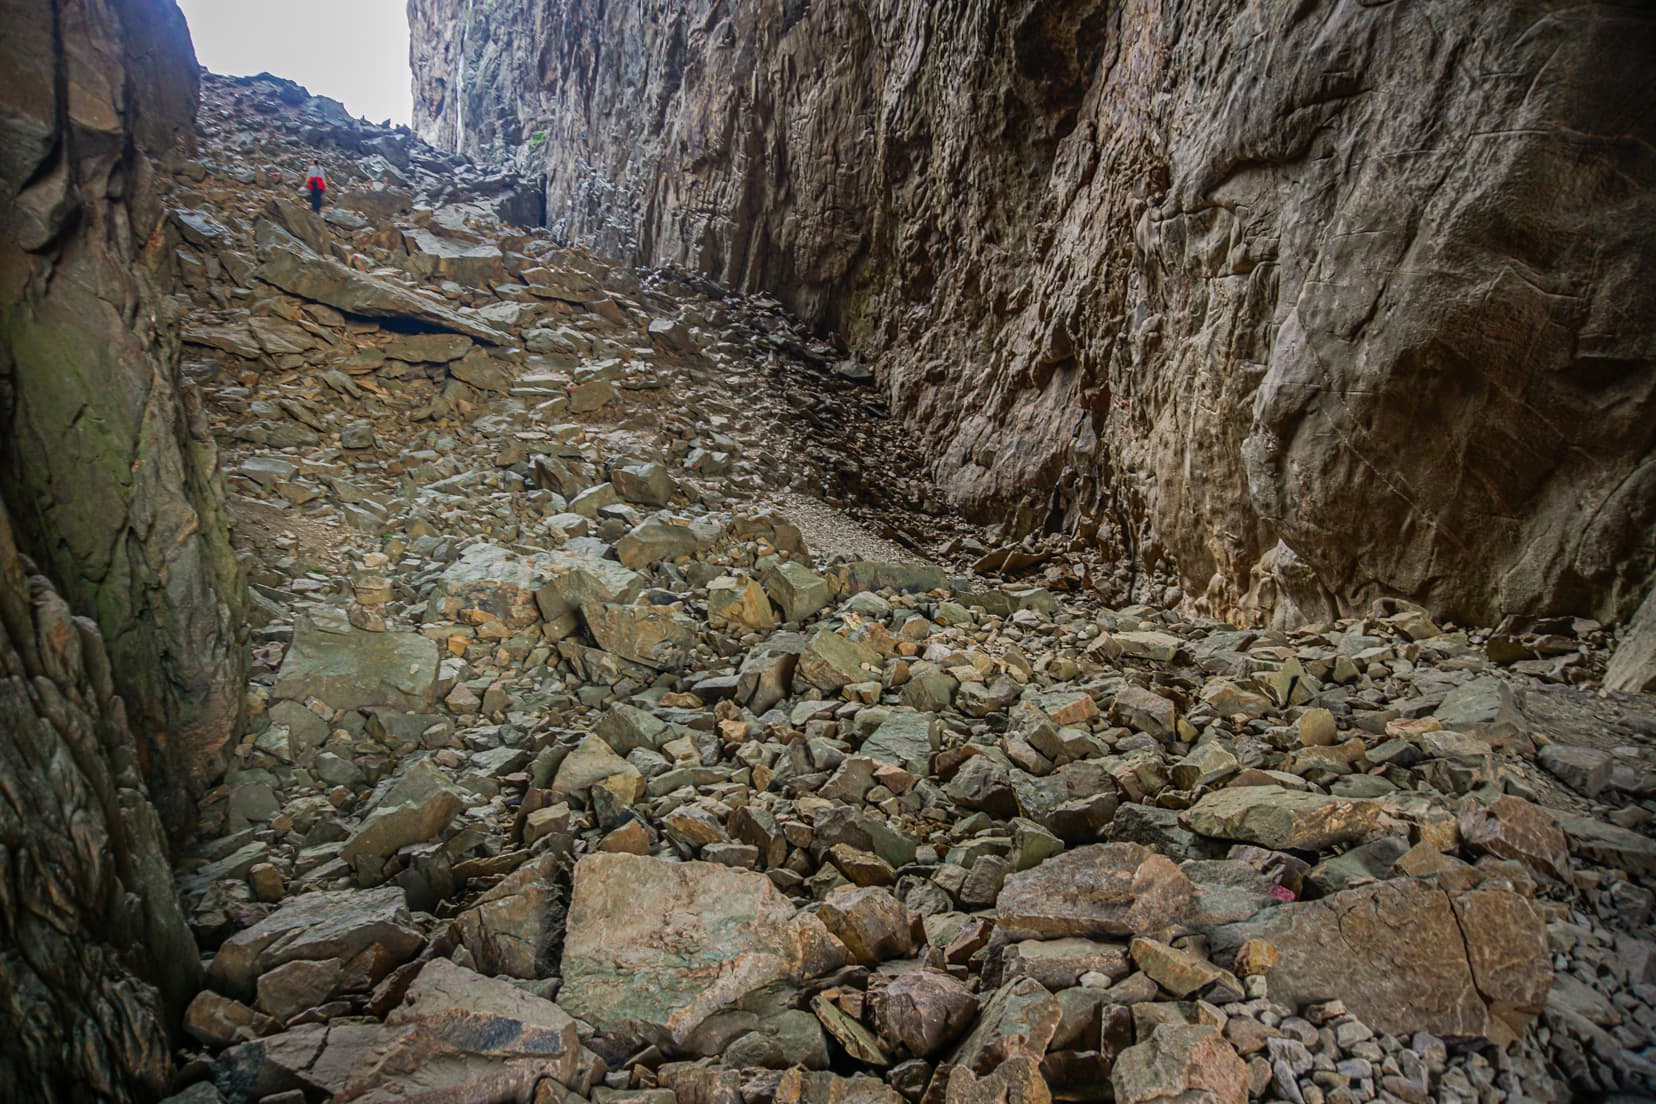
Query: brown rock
1017,1080
919,1012
1180,1065
220,1022
1512,828
1281,819
514,927
1405,956
461,1036
873,925
1103,889
316,926
1182,973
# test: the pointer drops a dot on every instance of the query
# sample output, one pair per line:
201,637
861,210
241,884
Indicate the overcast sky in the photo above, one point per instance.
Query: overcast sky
353,50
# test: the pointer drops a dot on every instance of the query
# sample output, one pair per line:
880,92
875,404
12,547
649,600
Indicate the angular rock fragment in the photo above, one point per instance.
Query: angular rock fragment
1180,1065
1281,819
336,924
653,948
351,669
1406,956
461,1036
1100,890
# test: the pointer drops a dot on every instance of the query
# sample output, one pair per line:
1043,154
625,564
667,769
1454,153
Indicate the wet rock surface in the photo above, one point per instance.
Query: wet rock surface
575,768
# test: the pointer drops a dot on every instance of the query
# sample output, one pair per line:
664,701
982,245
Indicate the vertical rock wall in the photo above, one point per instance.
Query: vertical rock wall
104,465
121,655
1312,302
95,958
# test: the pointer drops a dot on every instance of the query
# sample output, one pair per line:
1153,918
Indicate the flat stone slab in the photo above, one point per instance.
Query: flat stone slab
349,670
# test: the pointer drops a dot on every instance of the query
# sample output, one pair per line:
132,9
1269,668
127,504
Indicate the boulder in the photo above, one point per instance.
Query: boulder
656,636
291,266
461,1036
514,928
652,948
1282,819
919,1012
350,669
1099,890
873,925
1018,1020
1406,956
797,591
337,924
414,808
906,738
574,580
1511,828
738,604
1180,1064
831,661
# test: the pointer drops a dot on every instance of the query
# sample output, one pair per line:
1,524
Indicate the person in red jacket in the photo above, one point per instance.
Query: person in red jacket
316,182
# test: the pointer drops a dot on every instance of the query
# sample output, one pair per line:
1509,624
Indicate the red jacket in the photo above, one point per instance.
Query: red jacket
316,183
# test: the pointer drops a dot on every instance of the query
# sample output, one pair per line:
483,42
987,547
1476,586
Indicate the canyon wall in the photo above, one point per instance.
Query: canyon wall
121,654
1308,302
106,468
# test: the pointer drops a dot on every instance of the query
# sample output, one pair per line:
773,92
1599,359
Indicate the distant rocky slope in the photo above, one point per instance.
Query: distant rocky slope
1305,303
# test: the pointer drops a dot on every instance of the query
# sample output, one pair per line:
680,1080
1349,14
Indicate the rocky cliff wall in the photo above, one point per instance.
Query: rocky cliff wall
1313,302
121,658
95,958
108,473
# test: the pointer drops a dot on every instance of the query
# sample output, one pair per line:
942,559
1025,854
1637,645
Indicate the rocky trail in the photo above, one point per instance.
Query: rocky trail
630,721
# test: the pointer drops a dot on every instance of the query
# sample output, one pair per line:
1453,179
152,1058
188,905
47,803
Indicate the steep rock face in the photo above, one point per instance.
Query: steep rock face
94,954
1313,303
105,466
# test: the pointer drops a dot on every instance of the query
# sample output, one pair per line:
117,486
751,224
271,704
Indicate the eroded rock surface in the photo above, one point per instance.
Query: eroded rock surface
1295,306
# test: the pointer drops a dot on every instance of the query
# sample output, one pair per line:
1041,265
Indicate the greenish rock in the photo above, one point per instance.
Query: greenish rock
417,805
905,578
654,539
930,691
655,636
767,672
653,948
351,669
797,591
480,370
831,661
574,580
907,737
1017,1021
647,484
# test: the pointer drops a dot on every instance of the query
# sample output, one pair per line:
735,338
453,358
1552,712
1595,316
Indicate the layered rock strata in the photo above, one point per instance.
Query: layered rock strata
1303,304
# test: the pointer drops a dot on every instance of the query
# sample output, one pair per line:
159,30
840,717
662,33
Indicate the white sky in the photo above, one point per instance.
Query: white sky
353,50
